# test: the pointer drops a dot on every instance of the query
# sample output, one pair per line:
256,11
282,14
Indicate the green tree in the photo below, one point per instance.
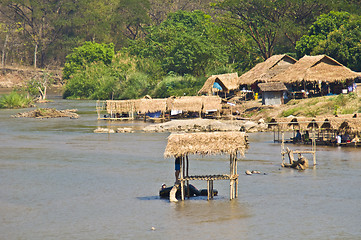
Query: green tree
86,54
267,22
336,34
319,30
344,44
182,43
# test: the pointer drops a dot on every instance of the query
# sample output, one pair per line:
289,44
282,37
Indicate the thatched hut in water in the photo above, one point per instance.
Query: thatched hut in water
223,85
151,107
317,75
121,109
181,105
185,144
194,105
325,128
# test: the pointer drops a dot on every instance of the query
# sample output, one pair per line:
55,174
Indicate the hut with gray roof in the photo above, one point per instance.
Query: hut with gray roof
272,93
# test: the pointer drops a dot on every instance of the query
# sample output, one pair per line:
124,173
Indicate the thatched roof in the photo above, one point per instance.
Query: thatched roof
190,104
342,123
205,143
266,70
211,103
119,106
146,105
227,81
272,87
316,68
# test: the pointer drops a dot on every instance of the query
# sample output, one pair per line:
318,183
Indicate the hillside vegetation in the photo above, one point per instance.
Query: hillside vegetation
312,107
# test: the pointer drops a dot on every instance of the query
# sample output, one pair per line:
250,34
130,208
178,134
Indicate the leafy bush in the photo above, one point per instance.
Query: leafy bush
97,81
182,44
15,100
136,86
86,54
173,85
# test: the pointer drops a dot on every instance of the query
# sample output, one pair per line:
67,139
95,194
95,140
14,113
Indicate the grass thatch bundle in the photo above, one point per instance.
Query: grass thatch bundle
205,143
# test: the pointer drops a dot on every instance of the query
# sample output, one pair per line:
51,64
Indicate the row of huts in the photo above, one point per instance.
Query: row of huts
325,130
172,107
282,77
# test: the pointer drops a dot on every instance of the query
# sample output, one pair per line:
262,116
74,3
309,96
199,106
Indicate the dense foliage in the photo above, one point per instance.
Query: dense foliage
336,34
170,46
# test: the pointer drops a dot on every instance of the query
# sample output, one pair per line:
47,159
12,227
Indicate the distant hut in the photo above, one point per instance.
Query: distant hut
188,105
121,109
264,71
211,105
315,73
154,108
224,85
272,93
210,143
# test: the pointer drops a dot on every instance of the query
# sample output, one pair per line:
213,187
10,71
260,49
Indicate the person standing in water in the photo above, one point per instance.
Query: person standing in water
177,168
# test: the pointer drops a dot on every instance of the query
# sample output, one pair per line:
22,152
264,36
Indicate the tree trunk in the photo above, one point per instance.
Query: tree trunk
35,54
4,50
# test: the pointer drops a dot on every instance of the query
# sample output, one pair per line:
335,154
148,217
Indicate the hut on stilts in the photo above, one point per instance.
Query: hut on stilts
183,144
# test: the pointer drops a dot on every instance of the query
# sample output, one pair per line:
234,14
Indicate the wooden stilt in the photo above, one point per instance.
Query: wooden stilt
208,190
182,177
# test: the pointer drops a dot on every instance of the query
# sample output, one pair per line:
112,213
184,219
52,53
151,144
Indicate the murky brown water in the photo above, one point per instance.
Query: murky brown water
59,180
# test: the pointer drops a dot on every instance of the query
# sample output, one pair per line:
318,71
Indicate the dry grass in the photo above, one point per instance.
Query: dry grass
312,107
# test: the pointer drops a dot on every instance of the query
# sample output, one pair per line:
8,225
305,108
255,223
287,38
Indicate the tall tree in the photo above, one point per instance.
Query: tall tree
266,22
41,20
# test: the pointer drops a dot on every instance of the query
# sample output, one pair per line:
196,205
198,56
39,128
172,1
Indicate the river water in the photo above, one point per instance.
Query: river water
59,180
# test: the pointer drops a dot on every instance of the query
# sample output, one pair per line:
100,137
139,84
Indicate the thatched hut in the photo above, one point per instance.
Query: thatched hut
315,73
182,145
179,105
223,83
116,108
146,105
264,71
272,93
211,105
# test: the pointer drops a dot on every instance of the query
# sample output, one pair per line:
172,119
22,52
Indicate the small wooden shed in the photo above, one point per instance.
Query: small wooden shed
272,93
208,143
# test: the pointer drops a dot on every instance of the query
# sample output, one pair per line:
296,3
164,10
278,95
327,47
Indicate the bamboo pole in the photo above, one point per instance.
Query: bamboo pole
187,174
236,172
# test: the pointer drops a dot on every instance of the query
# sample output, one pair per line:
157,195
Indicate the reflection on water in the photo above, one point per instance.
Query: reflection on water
59,180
